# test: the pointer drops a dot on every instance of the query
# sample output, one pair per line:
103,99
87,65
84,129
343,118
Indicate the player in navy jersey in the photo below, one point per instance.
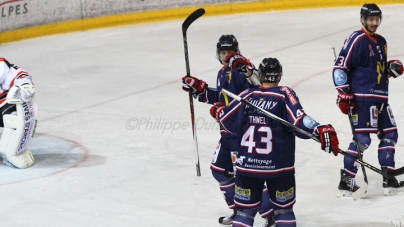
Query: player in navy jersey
267,148
235,79
361,76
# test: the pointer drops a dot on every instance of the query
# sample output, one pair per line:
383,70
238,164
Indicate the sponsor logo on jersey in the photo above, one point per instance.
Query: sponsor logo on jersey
229,75
371,54
340,77
285,195
240,160
290,95
354,119
266,105
242,194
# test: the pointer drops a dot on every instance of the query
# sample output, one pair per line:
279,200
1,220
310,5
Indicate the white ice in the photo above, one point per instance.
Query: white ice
116,94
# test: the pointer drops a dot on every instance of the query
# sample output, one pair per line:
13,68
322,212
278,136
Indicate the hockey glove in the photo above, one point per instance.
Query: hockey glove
345,101
328,138
216,109
238,62
197,86
395,68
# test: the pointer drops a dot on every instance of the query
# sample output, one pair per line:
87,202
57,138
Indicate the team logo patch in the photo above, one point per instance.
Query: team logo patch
340,77
243,194
309,122
285,195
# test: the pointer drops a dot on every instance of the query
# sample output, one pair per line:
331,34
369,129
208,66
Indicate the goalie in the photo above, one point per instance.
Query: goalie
18,115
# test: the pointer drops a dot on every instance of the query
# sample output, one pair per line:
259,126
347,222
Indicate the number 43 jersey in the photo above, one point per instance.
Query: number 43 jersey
267,147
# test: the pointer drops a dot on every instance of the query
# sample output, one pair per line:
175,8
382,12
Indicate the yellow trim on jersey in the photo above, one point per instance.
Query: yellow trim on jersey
173,14
226,99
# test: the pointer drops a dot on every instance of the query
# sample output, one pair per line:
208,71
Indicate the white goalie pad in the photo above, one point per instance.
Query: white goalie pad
19,129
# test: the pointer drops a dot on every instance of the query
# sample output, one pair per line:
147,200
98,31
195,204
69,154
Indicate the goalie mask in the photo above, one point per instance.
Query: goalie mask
369,10
226,42
270,70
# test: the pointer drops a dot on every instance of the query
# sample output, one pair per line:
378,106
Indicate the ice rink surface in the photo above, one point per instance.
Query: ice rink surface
114,131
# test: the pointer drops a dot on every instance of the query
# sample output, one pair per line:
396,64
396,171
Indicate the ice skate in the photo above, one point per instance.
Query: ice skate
269,221
228,220
392,185
347,185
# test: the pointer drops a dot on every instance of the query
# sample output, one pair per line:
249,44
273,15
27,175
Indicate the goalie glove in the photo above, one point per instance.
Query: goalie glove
20,93
395,68
328,138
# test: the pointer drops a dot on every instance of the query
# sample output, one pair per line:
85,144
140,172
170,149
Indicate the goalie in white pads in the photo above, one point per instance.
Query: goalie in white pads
18,115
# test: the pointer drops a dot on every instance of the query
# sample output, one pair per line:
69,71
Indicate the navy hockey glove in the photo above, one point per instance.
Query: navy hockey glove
345,101
216,109
395,68
238,62
197,86
328,138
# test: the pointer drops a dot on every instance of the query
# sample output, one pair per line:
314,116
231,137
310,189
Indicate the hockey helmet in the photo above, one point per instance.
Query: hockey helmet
270,70
226,42
370,10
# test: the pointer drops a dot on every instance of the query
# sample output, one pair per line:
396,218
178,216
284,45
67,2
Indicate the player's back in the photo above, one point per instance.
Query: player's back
267,146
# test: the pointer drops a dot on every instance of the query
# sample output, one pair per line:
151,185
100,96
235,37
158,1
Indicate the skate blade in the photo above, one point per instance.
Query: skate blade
392,191
361,192
344,194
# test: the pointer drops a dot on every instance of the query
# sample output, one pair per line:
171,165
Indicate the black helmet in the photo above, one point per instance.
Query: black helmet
370,10
270,70
226,42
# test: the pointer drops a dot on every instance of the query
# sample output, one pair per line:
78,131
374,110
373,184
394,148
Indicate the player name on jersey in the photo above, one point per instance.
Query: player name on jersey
257,120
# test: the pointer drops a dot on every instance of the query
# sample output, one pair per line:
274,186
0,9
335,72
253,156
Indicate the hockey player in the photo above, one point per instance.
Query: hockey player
267,151
236,75
361,76
18,115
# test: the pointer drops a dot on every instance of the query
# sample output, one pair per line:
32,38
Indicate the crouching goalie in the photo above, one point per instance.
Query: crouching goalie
18,115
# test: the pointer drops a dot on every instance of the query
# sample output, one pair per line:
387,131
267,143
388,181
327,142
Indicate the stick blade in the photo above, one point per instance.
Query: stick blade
361,192
191,18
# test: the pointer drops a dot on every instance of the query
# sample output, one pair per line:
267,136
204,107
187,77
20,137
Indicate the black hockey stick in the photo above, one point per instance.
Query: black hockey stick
364,187
297,129
191,18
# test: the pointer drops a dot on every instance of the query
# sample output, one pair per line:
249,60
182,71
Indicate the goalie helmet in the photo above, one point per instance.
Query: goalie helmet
270,70
226,42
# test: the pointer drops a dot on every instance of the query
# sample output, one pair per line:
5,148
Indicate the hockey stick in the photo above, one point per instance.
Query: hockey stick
360,193
191,18
301,131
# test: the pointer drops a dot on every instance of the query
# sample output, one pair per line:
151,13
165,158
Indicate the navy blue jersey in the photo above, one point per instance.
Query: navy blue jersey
231,80
361,67
267,146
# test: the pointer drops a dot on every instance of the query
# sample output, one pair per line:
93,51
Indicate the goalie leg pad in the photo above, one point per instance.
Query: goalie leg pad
19,128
